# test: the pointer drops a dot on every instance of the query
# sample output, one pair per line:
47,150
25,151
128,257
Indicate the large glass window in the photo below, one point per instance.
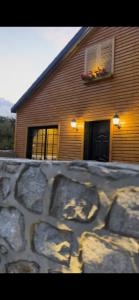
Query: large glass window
43,143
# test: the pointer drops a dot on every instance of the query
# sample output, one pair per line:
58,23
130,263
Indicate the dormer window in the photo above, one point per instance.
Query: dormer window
99,61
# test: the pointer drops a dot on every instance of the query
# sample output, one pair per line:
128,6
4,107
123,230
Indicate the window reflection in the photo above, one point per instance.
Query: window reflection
45,144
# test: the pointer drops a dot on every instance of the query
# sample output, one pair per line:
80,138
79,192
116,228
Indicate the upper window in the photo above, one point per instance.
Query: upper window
99,60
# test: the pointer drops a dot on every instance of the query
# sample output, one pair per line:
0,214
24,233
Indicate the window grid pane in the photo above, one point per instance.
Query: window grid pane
45,144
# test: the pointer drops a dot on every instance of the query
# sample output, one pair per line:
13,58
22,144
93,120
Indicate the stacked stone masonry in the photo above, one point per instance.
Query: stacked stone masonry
68,217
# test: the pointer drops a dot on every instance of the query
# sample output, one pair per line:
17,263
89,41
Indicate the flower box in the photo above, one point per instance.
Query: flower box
99,74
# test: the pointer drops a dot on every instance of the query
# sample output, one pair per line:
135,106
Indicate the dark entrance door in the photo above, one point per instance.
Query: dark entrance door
97,138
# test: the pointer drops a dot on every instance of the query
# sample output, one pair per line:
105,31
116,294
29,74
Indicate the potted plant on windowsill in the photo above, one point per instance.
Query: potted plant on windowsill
87,76
93,76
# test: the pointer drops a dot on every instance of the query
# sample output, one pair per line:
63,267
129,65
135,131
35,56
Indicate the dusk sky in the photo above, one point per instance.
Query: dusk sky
24,54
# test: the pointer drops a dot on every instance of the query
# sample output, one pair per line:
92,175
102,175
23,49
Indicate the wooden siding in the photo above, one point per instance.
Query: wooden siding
65,96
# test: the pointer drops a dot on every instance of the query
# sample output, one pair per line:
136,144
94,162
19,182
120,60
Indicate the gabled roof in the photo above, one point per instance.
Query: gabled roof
59,58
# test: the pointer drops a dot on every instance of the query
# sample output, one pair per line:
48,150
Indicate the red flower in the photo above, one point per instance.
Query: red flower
87,76
84,76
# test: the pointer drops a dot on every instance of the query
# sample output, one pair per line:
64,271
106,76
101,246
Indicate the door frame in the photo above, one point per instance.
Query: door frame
110,138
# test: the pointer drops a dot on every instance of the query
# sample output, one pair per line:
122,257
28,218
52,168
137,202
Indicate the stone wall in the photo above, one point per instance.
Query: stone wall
7,153
68,217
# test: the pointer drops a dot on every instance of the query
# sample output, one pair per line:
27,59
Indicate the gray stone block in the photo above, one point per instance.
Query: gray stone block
53,243
124,215
4,187
30,189
22,266
72,200
102,255
12,227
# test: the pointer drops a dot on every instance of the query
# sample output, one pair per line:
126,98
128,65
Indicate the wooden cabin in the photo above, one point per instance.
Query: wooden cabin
85,105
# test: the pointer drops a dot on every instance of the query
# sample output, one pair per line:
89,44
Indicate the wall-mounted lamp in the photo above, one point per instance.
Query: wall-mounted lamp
74,124
116,121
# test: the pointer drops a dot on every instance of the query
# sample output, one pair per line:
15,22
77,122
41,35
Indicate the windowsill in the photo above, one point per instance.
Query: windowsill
90,81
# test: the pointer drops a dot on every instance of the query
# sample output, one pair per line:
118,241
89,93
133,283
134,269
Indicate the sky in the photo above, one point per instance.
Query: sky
25,52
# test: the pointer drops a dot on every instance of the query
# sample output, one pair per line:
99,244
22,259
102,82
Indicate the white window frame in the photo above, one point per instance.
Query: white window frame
98,46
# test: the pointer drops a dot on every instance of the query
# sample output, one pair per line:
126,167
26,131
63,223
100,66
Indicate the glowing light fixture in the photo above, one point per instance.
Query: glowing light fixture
74,124
116,120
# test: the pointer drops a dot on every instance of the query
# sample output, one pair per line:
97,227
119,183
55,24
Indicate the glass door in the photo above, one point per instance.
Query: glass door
43,143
